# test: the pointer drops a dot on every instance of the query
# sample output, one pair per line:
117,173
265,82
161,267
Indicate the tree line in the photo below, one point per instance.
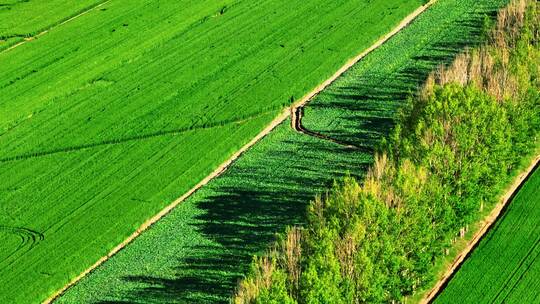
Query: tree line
455,147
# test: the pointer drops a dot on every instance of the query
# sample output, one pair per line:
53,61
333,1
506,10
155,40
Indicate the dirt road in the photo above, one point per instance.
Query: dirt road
223,167
486,224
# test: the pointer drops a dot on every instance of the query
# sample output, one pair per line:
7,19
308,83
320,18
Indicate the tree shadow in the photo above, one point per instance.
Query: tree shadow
242,213
381,95
269,188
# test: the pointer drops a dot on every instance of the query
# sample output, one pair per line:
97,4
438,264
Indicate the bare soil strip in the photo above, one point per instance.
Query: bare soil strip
486,224
55,26
223,167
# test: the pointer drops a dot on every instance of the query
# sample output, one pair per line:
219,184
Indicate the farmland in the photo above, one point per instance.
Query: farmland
504,268
342,113
457,143
25,19
199,251
107,118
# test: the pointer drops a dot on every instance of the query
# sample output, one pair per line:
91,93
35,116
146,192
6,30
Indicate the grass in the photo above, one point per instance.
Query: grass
108,118
22,19
200,251
504,267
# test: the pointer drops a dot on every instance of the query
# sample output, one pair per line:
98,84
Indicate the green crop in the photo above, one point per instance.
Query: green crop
200,251
110,117
504,268
26,19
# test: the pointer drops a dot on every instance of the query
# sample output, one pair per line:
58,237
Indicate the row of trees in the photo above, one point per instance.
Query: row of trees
453,150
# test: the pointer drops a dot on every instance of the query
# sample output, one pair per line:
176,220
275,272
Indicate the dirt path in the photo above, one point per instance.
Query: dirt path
297,106
69,19
297,109
486,224
296,124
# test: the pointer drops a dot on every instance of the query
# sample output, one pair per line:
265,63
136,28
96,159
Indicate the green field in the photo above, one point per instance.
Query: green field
200,251
505,267
23,18
108,118
387,79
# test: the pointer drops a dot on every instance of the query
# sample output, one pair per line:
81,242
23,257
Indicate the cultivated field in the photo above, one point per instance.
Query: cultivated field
505,267
25,19
111,116
200,250
341,113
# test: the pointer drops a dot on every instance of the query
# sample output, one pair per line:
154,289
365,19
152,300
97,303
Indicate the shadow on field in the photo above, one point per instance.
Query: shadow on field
269,188
248,205
380,94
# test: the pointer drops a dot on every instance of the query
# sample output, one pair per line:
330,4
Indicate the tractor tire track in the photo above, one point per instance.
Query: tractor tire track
286,113
54,25
119,141
296,124
516,272
28,239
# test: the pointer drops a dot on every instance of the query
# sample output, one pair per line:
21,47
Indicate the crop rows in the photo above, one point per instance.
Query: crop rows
24,19
505,267
401,66
199,251
111,116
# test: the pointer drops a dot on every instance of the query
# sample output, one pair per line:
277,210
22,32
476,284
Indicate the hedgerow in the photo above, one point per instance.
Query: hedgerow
457,144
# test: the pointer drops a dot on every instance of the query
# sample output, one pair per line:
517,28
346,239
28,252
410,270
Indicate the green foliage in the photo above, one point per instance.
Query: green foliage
451,153
110,117
321,280
463,136
278,292
504,266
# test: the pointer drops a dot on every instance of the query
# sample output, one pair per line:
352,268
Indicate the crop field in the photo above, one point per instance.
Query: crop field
343,114
24,19
505,267
108,118
201,249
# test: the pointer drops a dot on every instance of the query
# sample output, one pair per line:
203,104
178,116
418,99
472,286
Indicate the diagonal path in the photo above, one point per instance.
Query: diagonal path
277,121
297,109
45,31
199,251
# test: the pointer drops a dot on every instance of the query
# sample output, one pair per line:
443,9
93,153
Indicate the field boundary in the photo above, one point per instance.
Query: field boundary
53,26
486,225
296,108
288,111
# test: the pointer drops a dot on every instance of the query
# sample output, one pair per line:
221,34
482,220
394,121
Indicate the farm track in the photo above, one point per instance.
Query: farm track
55,25
296,123
486,226
29,238
297,107
125,139
516,272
